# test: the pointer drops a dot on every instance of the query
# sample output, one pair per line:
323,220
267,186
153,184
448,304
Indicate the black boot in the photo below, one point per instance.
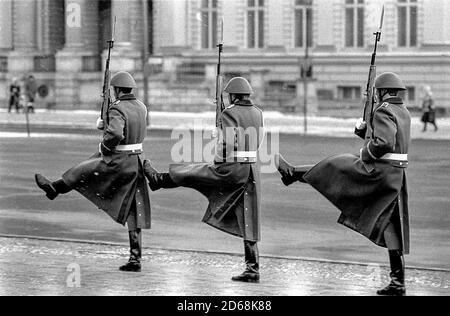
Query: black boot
397,285
52,189
251,273
134,264
286,170
47,186
157,180
289,173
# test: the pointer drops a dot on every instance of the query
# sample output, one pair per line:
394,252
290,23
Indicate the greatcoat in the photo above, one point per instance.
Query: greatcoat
369,190
232,183
114,180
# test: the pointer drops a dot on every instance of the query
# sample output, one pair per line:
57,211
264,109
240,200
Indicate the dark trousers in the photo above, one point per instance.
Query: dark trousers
250,247
135,236
13,102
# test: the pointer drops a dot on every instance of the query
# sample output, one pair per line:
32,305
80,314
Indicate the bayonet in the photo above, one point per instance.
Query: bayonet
219,79
370,91
106,93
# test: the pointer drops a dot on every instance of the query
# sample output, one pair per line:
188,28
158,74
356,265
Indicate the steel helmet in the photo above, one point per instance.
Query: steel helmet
239,85
123,79
389,80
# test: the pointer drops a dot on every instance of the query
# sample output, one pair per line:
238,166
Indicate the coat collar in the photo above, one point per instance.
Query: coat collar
244,103
127,97
394,100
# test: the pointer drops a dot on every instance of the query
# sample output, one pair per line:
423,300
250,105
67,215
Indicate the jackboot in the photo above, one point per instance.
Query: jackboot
397,285
51,189
251,273
157,180
289,173
134,264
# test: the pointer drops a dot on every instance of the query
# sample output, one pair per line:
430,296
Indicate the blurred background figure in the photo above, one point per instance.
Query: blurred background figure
31,91
429,109
14,90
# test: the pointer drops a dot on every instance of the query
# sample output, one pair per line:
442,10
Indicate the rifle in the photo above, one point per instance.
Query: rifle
219,84
370,91
106,93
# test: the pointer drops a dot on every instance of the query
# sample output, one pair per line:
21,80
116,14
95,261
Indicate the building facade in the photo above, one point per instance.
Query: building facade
62,42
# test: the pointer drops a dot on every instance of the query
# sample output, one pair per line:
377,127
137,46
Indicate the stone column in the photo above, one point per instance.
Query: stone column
275,16
21,60
129,36
73,86
324,39
81,25
6,25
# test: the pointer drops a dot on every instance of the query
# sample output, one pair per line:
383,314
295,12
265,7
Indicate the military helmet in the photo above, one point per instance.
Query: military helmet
239,85
389,80
123,79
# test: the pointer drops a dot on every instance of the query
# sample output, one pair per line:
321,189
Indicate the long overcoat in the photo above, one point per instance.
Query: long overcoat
114,180
368,189
232,183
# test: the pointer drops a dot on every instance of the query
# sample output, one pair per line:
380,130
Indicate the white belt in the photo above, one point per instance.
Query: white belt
130,148
395,157
246,154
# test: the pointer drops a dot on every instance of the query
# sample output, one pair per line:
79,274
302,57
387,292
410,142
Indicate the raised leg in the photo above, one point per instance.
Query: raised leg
157,180
51,189
289,173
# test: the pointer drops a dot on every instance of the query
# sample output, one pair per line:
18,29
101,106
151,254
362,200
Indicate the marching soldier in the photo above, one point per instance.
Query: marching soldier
371,190
113,178
232,182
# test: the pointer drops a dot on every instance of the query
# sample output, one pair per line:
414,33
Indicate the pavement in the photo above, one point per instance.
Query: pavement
31,265
66,268
275,122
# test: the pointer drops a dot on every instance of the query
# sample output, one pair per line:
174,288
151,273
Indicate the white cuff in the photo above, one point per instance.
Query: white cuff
100,124
361,124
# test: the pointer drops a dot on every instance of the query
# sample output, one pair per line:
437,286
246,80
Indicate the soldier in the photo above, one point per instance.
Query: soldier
113,178
232,182
371,190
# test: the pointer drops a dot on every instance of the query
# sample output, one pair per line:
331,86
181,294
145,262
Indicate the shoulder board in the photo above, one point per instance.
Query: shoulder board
256,107
230,107
115,103
140,102
385,105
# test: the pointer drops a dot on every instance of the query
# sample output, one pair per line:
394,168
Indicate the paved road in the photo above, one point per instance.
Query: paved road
36,267
274,121
296,222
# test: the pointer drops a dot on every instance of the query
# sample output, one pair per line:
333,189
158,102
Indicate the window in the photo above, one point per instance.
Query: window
407,23
208,13
354,23
281,90
255,23
349,93
303,23
3,64
325,95
191,72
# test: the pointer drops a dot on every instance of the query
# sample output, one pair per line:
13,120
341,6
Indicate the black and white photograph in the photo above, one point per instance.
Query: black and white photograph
225,153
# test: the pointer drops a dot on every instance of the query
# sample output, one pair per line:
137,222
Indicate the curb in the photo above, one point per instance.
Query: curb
211,252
